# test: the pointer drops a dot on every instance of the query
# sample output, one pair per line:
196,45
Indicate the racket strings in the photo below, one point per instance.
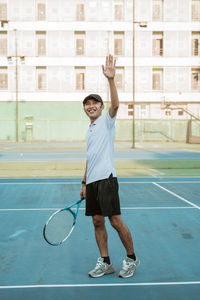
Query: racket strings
59,227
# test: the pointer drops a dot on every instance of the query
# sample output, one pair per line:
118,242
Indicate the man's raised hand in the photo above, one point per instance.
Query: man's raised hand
109,68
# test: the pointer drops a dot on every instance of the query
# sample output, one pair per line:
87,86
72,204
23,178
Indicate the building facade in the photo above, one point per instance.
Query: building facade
52,52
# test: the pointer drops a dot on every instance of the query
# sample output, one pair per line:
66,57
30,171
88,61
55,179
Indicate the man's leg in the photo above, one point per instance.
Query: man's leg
103,266
131,262
101,234
124,233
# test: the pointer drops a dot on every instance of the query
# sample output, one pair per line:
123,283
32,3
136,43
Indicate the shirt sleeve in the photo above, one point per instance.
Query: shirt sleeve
110,122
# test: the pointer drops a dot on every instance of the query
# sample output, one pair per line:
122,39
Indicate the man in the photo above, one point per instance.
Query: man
99,185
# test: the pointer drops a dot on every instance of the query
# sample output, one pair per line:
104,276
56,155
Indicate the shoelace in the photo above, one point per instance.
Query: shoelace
126,265
99,264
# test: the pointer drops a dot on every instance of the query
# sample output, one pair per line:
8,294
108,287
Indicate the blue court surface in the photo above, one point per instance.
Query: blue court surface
163,215
80,155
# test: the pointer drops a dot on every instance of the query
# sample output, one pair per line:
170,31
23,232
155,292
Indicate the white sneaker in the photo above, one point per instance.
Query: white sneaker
128,268
101,269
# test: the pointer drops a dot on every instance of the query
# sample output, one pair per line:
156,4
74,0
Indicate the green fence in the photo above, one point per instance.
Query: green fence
66,121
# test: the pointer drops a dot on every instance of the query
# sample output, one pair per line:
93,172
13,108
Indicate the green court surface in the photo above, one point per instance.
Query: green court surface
144,168
22,160
163,214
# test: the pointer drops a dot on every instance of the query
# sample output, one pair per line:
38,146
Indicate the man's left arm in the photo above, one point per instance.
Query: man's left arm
109,72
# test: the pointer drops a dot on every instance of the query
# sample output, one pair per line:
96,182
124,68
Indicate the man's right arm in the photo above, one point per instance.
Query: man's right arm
109,71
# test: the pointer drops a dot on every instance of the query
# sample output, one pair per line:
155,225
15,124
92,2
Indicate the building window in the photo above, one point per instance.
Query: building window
118,43
157,79
80,42
41,43
80,78
105,9
143,106
130,106
118,11
168,113
80,12
180,113
157,44
130,109
195,79
3,43
3,78
195,10
41,78
119,78
195,43
93,8
157,10
130,112
3,11
41,11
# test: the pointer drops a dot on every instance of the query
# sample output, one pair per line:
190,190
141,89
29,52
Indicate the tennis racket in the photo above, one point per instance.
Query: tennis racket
61,224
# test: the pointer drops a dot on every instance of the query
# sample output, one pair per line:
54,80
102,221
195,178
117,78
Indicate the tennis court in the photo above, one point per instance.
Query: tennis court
162,213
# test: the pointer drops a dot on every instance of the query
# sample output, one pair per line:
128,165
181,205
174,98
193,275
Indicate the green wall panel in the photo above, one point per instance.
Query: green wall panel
66,121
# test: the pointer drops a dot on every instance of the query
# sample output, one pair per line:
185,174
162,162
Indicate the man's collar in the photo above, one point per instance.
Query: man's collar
92,124
95,122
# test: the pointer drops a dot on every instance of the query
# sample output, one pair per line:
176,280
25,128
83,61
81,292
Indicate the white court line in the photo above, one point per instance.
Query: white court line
132,177
99,285
176,195
152,175
77,182
122,208
73,182
156,171
157,207
141,182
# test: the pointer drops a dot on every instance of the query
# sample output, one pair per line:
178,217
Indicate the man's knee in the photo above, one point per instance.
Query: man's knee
98,221
116,222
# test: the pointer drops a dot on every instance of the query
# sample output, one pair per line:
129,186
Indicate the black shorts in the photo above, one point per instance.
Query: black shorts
102,197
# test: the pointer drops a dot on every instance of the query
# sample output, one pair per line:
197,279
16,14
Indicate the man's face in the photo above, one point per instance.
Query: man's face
93,109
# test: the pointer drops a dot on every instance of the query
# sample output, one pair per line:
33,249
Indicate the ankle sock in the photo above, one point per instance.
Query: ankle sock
106,260
132,256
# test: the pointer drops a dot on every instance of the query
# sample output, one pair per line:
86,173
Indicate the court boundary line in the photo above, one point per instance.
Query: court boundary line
176,195
82,208
77,182
157,172
100,285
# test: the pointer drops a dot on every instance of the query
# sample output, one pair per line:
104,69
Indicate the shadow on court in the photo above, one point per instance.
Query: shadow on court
163,215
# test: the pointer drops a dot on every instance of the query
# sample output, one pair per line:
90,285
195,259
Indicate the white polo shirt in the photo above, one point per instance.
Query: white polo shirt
100,149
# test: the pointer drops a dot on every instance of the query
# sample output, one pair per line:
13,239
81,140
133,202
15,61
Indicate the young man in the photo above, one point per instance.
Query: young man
99,185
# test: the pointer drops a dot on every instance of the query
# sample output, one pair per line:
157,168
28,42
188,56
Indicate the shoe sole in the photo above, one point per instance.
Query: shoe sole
100,275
